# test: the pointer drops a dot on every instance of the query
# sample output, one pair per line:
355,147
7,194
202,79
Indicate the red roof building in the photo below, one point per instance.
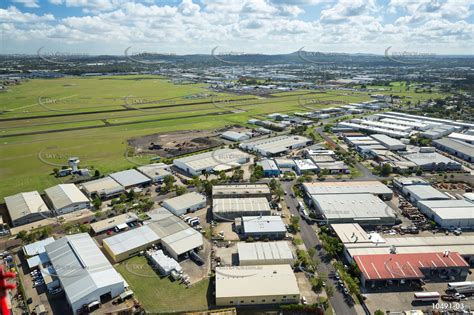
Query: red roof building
409,266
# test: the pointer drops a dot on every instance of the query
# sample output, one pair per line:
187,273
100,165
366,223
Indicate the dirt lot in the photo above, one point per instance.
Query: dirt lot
228,255
226,227
177,143
305,288
197,273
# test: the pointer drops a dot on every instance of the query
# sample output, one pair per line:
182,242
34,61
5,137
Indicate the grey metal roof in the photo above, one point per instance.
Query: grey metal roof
37,247
352,206
155,170
349,187
456,145
106,185
168,226
80,266
124,242
240,189
184,201
268,165
183,241
129,178
64,195
23,204
223,205
214,158
264,251
263,224
425,192
429,158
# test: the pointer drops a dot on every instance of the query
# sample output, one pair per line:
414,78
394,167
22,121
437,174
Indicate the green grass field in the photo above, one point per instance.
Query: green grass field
105,106
161,295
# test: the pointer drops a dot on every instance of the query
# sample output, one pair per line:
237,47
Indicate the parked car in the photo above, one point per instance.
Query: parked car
303,300
56,291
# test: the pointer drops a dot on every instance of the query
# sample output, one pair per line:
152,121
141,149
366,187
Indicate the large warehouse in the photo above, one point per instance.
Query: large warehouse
449,213
156,171
264,227
389,143
120,221
130,178
65,198
350,187
265,253
433,162
263,284
176,236
183,204
26,207
124,245
231,208
394,269
240,191
456,148
103,188
365,209
83,271
276,145
208,162
416,193
358,242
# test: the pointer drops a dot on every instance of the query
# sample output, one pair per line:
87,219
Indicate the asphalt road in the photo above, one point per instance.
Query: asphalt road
311,240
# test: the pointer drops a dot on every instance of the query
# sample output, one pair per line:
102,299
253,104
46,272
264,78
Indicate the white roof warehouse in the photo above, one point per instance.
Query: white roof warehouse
83,271
66,198
264,284
223,159
231,208
276,145
183,204
26,207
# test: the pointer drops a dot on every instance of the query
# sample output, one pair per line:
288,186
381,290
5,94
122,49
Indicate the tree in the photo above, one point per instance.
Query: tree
222,176
97,203
379,312
96,173
329,291
180,190
386,169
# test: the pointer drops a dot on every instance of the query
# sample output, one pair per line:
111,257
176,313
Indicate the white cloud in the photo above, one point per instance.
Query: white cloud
28,3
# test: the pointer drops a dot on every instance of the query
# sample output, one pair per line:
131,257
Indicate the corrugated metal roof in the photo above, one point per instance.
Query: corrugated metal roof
129,178
64,195
212,159
80,266
240,189
23,204
223,205
264,251
349,187
425,192
184,241
256,281
263,224
184,201
102,185
124,242
37,247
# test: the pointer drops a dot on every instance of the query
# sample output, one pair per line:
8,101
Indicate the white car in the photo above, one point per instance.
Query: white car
303,300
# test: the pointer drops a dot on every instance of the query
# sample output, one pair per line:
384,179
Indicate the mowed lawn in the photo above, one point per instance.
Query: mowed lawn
162,295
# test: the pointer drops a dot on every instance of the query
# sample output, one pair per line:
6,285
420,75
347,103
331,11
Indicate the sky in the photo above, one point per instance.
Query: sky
90,27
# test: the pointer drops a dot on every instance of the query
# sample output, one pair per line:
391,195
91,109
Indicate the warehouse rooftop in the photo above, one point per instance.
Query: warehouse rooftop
63,195
124,242
23,204
240,189
263,224
214,158
429,158
264,251
349,187
223,205
130,178
80,266
185,201
425,192
262,280
106,185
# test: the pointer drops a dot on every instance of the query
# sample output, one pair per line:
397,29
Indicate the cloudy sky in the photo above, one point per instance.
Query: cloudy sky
247,26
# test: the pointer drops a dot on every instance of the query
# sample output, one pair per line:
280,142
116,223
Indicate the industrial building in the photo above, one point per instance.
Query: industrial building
358,242
65,198
336,167
390,270
305,165
276,145
401,182
270,169
183,204
156,171
231,208
241,190
349,187
263,284
433,161
235,136
35,253
176,236
463,137
389,143
124,245
120,221
26,207
215,161
103,188
131,178
265,253
449,213
370,128
365,209
416,193
457,148
285,163
84,273
263,227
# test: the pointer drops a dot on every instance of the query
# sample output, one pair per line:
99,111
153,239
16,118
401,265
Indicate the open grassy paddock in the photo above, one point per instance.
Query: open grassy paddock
162,295
43,122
